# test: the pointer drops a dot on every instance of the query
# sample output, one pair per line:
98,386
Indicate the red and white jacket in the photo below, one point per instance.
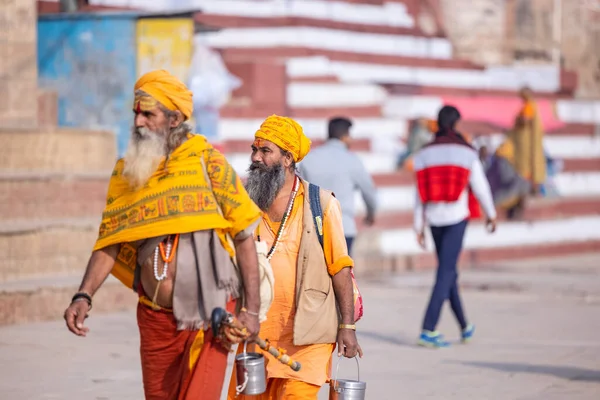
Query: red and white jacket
450,182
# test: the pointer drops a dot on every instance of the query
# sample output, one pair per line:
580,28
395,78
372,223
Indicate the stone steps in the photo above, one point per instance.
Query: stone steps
400,178
42,249
57,149
236,54
536,210
52,195
216,21
46,299
374,264
255,112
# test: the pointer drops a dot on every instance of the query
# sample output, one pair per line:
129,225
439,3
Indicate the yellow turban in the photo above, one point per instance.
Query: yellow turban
167,90
285,133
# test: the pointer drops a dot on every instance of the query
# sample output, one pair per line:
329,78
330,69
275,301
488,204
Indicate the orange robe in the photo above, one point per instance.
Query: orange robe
282,381
530,161
179,365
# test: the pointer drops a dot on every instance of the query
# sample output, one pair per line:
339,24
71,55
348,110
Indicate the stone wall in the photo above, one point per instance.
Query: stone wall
18,63
523,31
477,29
580,44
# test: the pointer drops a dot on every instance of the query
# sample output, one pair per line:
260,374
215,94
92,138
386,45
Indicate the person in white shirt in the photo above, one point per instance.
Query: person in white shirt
451,187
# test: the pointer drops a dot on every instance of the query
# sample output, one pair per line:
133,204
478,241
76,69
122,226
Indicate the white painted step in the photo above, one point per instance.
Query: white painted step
390,14
579,111
324,95
330,39
540,78
316,128
508,234
412,107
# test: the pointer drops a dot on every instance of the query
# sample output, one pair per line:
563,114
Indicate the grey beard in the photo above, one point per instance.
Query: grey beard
264,183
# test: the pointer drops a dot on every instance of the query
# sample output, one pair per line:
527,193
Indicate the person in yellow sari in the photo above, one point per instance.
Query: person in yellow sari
527,137
509,189
171,202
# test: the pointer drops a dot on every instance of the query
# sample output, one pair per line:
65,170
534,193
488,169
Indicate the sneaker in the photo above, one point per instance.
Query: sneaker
432,340
467,333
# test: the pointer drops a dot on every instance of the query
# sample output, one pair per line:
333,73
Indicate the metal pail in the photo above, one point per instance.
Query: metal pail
346,389
250,373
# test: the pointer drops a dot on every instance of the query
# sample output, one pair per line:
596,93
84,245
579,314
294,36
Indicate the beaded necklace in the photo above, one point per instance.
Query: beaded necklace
166,256
285,218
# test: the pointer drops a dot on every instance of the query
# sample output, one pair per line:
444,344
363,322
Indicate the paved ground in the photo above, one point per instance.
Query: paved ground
537,338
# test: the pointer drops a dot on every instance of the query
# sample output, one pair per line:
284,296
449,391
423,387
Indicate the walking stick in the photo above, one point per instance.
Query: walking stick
279,354
220,316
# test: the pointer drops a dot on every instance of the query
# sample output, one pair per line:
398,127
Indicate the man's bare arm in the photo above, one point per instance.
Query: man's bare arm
344,294
248,264
99,267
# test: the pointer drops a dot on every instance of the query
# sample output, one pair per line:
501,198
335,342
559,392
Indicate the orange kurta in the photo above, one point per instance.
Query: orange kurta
278,328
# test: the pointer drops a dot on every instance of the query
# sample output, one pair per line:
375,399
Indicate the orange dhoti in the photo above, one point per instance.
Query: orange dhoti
179,364
279,389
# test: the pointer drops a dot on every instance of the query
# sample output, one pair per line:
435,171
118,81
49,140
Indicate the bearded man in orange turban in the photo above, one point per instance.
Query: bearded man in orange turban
310,263
173,201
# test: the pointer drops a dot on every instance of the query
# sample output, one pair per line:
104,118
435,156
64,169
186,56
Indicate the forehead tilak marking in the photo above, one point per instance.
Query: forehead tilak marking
145,103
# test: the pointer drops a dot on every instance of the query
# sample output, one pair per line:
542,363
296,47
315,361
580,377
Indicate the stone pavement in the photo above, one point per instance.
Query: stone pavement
537,338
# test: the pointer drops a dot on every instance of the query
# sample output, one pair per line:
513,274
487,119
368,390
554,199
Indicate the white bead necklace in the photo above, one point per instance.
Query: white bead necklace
286,216
166,265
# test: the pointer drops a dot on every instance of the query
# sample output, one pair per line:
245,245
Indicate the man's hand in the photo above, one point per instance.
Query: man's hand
231,331
421,240
490,225
75,315
348,344
251,323
369,220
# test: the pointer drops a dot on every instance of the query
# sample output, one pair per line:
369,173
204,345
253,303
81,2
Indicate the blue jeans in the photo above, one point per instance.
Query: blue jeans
448,245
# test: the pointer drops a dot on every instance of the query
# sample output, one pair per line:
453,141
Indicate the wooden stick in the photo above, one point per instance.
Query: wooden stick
278,354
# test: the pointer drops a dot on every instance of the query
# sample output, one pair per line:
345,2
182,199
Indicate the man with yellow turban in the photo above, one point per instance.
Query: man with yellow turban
310,263
176,217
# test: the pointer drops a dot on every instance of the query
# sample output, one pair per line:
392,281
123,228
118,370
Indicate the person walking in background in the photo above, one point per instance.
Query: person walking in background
334,167
527,136
450,180
420,133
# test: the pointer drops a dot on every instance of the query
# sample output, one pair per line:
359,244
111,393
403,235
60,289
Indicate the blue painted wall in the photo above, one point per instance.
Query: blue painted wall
90,61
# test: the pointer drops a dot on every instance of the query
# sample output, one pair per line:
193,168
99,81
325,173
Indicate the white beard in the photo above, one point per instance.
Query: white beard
144,153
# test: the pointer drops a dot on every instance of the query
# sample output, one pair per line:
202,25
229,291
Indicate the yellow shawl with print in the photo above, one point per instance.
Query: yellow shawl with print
176,199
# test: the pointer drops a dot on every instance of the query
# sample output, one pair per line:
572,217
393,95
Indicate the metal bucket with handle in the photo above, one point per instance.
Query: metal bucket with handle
346,389
250,373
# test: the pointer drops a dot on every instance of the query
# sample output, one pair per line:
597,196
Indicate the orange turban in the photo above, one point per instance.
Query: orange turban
285,133
167,90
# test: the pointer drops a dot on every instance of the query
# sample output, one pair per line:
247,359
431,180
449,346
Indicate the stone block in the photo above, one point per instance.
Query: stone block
58,150
44,253
47,300
51,196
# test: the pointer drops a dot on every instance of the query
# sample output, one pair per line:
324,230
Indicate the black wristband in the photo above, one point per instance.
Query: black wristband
82,295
